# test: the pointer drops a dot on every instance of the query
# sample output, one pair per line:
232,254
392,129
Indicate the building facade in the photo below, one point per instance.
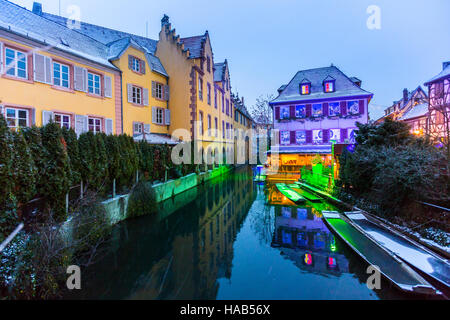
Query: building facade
439,106
317,108
244,143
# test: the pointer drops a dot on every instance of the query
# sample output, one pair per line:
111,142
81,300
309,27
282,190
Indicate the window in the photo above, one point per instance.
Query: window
317,136
137,95
95,125
334,109
353,107
136,64
223,129
236,116
94,83
137,128
300,111
200,88
17,118
208,64
285,137
209,125
209,93
61,75
63,120
284,112
305,89
200,116
228,130
159,90
329,86
159,115
228,107
216,126
16,63
317,110
335,134
215,98
300,137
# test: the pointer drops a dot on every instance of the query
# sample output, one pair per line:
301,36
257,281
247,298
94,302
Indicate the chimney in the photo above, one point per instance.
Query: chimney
405,95
242,101
164,21
37,8
445,64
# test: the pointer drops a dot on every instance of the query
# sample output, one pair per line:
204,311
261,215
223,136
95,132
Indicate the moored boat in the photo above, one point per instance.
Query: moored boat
289,193
391,267
305,193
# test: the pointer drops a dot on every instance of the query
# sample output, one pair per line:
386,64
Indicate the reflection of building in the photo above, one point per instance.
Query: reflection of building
317,107
305,239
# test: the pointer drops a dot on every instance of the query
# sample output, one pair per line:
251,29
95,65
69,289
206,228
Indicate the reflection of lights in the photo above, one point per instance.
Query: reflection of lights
333,245
332,263
308,259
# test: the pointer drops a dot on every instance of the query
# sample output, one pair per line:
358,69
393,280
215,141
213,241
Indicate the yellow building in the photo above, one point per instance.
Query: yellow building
49,72
244,144
201,91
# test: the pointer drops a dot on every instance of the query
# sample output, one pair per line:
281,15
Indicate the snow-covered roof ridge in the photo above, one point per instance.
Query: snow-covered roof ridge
344,87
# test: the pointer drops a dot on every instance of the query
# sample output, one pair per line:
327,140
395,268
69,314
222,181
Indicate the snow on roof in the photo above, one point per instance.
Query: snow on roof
117,41
23,22
194,44
219,71
344,86
416,111
443,74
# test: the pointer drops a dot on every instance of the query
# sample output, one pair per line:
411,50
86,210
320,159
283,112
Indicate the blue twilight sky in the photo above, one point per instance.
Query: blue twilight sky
267,42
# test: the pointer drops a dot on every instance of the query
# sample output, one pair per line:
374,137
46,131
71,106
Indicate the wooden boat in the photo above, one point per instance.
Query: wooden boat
305,193
417,256
289,193
392,268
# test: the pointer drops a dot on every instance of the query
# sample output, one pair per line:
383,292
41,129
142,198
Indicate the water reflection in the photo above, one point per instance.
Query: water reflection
229,239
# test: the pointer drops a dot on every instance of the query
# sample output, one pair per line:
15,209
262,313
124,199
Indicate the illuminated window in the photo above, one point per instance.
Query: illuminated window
334,109
305,89
317,110
329,86
353,107
285,137
300,111
284,112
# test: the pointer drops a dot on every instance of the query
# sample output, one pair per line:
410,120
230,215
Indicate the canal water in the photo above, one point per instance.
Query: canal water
229,239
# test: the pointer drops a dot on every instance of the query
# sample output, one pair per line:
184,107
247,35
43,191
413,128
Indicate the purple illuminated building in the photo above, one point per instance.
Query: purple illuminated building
318,107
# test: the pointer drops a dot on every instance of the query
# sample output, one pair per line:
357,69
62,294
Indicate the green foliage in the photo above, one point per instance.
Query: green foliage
33,138
142,200
74,155
391,168
56,171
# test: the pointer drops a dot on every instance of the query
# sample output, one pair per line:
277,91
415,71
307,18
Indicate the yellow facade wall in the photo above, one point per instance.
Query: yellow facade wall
41,96
139,113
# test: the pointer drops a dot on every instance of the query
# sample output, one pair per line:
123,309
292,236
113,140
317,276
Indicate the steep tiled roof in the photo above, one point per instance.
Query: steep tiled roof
23,22
219,71
443,74
116,40
416,111
344,86
194,44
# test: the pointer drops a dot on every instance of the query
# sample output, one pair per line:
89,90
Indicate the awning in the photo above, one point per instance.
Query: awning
306,149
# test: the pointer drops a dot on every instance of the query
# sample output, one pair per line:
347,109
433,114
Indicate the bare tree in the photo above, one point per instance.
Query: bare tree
261,112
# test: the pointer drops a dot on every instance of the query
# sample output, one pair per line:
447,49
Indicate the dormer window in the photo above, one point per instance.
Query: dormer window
305,89
328,86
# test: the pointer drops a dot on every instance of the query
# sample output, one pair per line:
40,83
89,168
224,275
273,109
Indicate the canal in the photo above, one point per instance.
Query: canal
229,239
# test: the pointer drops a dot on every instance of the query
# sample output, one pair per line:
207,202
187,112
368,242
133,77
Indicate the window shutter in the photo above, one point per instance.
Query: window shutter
326,111
108,87
145,96
130,62
33,116
292,137
167,116
47,116
344,108
277,113
361,106
109,126
48,70
130,92
292,111
79,79
39,68
142,62
154,115
166,93
326,135
80,124
308,110
344,134
146,128
1,58
153,89
30,67
308,136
